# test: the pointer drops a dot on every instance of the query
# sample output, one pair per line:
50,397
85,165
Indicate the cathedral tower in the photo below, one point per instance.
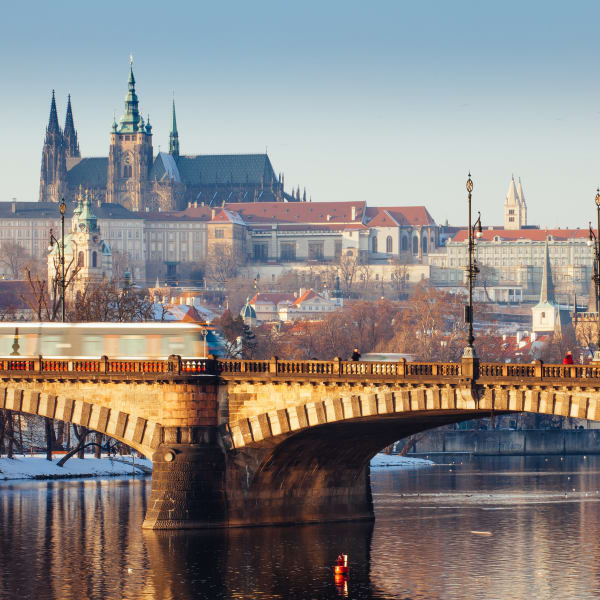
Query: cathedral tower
70,134
130,155
53,178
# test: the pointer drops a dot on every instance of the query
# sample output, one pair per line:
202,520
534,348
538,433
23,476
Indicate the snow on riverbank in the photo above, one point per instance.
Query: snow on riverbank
381,461
37,467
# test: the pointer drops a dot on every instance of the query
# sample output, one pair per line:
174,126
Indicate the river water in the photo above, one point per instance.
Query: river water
509,527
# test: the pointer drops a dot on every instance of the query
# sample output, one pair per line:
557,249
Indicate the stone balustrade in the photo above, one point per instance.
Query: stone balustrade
305,369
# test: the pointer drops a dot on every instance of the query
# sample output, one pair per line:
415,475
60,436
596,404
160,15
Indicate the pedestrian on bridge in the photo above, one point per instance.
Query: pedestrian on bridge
568,359
355,354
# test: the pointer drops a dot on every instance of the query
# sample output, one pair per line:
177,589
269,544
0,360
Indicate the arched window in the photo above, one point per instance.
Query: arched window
389,244
424,244
94,259
80,259
374,245
404,243
415,245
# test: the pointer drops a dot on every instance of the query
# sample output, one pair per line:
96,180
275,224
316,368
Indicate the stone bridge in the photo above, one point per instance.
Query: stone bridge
241,442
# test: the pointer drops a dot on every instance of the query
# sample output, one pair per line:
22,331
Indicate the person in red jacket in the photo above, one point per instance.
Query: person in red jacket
568,359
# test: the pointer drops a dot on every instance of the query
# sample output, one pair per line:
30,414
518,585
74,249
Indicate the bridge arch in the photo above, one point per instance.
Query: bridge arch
310,461
141,434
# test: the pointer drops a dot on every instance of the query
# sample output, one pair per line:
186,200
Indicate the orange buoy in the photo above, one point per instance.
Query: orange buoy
341,567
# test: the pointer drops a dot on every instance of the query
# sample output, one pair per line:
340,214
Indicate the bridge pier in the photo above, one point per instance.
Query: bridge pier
188,488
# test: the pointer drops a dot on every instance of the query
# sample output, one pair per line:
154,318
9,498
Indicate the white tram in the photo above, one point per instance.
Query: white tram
115,340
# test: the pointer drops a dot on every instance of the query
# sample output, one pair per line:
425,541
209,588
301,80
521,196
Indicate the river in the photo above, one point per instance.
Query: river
483,528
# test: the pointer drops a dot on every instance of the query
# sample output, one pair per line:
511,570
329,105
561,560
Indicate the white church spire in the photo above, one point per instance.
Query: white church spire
515,210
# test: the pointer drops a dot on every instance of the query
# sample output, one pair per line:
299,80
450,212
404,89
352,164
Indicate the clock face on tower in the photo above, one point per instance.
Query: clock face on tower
127,159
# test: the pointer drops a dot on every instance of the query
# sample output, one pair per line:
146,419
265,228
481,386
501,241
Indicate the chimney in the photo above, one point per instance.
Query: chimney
353,214
213,213
13,207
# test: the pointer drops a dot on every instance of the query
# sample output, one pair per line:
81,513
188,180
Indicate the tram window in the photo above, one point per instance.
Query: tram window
93,345
6,342
173,345
132,345
52,345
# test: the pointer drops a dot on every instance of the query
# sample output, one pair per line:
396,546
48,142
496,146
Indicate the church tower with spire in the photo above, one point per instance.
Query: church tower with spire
53,178
174,137
545,314
515,209
130,155
70,135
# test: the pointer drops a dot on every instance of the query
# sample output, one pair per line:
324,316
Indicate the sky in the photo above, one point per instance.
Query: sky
391,102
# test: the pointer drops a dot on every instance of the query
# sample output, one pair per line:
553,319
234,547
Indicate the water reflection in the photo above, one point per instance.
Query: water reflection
490,528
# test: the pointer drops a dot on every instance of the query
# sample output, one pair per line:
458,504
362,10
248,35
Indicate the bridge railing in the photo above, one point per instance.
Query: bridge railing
228,368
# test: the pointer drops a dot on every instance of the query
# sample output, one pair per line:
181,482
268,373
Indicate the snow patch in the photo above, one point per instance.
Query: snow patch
380,461
37,467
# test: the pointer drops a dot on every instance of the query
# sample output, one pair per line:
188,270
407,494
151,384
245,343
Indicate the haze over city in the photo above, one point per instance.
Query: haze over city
391,103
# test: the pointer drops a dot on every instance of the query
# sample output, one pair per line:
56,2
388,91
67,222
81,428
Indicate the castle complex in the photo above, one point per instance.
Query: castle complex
134,178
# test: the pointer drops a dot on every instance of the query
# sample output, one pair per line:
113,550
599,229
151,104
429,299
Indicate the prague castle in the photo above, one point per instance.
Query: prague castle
134,178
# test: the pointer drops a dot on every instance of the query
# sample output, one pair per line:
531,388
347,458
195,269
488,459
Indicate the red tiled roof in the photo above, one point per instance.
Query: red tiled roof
380,217
536,235
299,212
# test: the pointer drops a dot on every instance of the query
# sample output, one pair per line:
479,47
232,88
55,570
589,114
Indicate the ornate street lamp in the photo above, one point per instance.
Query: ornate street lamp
204,334
472,270
596,277
61,255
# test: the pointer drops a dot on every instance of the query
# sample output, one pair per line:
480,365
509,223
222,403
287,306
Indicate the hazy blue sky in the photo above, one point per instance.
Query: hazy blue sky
390,102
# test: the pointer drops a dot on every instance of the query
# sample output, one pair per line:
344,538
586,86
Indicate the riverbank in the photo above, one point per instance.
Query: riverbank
502,442
384,461
37,467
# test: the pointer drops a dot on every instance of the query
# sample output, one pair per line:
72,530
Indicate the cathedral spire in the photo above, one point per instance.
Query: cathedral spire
70,134
131,121
174,136
53,126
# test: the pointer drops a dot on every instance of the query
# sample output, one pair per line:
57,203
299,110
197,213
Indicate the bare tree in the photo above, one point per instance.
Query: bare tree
14,259
107,301
222,264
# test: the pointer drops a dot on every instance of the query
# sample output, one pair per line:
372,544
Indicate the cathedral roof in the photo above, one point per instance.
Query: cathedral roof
226,169
89,172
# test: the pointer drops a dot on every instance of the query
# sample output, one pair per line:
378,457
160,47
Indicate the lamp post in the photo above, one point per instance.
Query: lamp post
204,334
61,255
472,270
596,243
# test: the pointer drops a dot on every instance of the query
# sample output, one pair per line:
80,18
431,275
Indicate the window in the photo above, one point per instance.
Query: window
415,245
374,245
389,244
288,251
94,259
511,219
511,211
315,250
424,245
338,248
127,171
219,233
404,243
261,252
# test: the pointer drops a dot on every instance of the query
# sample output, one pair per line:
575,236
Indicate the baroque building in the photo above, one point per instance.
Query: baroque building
84,248
135,178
